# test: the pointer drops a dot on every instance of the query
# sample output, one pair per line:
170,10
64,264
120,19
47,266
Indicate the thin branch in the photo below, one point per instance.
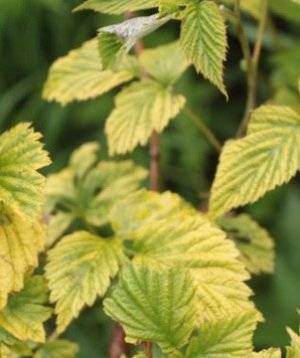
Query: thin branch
154,157
203,128
118,346
252,70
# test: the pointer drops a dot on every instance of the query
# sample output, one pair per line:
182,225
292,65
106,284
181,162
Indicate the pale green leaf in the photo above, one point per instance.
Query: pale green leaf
25,313
117,6
203,39
192,242
21,155
20,242
268,156
141,108
79,269
154,305
227,337
267,353
254,242
164,63
80,76
59,348
293,351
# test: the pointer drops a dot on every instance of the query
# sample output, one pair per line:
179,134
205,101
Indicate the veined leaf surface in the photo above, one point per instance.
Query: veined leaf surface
203,39
25,312
163,303
117,6
227,337
21,155
268,156
20,243
141,108
254,242
80,76
79,270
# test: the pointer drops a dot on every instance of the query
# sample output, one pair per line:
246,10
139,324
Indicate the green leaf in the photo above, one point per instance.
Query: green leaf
193,243
251,7
117,6
227,337
141,108
79,270
254,242
294,350
20,243
152,305
286,68
267,157
80,76
59,348
117,40
110,48
25,313
288,10
203,39
171,7
21,155
164,63
87,190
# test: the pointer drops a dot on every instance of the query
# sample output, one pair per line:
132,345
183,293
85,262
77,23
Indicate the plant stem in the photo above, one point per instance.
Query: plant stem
154,185
252,61
118,346
203,128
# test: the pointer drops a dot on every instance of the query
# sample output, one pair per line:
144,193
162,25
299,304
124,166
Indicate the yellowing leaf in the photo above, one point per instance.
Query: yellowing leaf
24,314
254,243
153,305
21,155
79,270
193,243
87,190
203,39
267,353
117,6
267,157
142,207
80,76
227,337
164,63
20,243
294,350
59,348
141,108
11,347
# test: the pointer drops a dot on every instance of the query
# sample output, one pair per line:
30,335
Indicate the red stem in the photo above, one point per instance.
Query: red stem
118,346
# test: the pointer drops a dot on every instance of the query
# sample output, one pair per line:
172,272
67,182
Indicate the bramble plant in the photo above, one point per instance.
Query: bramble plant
172,278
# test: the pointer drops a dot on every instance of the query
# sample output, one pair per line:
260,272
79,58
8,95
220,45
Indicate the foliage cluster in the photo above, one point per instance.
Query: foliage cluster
174,278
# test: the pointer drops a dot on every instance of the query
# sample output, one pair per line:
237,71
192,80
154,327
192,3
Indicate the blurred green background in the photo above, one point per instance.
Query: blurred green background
33,33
